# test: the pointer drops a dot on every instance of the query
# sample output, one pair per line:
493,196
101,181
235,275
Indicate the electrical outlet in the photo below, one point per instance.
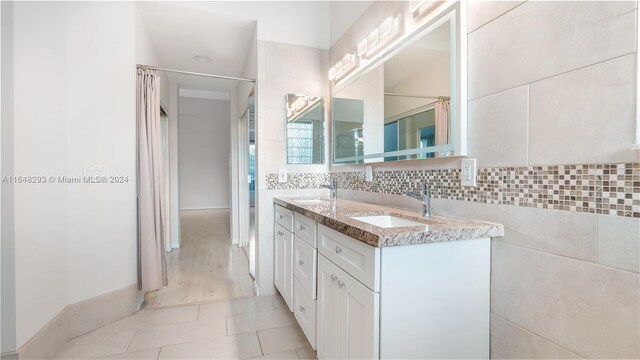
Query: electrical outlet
368,173
469,172
282,176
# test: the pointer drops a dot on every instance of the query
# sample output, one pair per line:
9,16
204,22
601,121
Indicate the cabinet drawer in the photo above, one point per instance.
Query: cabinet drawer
284,217
305,312
305,265
305,228
360,260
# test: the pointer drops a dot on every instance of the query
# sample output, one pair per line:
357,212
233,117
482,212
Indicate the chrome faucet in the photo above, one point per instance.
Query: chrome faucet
333,187
424,197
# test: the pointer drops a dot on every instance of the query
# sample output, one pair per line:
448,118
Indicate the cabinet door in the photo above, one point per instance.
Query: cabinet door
329,311
348,315
361,313
283,264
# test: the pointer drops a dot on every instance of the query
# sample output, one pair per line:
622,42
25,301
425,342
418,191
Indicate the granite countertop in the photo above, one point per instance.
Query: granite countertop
337,215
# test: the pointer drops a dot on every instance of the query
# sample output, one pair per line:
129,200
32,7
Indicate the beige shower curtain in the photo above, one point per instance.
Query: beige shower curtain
152,266
442,121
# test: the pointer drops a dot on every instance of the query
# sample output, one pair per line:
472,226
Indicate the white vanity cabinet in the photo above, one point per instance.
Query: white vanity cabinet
356,301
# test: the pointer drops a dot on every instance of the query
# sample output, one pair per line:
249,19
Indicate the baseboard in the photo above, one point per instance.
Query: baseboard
205,208
80,318
9,356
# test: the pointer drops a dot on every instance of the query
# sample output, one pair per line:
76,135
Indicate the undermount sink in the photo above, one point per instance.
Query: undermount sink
312,201
387,221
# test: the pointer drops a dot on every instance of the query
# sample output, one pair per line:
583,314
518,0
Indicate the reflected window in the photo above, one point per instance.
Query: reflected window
300,142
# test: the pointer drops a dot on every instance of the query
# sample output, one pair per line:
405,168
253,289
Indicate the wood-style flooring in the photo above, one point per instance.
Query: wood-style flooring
206,267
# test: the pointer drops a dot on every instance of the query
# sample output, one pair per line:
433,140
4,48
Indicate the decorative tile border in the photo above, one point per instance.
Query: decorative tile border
298,181
612,189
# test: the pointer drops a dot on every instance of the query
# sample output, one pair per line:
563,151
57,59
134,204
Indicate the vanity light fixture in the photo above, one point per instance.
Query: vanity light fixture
420,8
343,67
380,37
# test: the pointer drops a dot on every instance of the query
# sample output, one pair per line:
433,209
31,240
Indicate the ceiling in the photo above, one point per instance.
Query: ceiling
179,33
343,14
224,30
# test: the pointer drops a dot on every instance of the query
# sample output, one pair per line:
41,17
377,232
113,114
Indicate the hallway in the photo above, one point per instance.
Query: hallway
206,267
207,311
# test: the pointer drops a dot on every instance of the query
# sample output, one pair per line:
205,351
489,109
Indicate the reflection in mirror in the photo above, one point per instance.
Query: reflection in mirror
305,129
400,109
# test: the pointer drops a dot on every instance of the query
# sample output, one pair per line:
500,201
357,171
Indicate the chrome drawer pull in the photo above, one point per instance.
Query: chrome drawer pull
281,216
334,277
341,284
280,233
338,249
301,308
302,227
300,262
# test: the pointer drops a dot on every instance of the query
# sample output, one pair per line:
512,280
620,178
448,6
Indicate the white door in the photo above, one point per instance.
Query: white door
329,308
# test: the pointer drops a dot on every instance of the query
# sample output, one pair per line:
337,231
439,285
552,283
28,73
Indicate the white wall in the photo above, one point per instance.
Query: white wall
7,249
282,69
73,241
204,145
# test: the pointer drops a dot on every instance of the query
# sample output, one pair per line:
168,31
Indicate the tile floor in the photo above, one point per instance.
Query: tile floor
254,327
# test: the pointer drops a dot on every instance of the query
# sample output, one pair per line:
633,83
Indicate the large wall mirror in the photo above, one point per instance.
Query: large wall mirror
406,105
305,129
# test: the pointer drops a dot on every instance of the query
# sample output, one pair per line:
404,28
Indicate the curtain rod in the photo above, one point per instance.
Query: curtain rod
196,74
417,96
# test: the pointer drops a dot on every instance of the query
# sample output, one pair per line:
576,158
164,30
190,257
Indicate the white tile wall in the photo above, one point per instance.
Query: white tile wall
591,310
585,116
509,341
503,116
619,242
539,39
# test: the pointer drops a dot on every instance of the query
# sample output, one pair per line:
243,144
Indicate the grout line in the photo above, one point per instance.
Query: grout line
132,338
553,75
260,343
528,124
496,18
538,335
598,238
571,258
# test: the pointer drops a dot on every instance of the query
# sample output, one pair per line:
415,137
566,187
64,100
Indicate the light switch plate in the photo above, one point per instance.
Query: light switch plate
469,171
282,175
368,173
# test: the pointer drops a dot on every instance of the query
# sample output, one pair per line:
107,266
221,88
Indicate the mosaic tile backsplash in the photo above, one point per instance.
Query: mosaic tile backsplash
612,189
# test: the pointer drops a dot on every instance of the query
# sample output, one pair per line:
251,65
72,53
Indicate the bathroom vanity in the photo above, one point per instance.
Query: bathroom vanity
367,281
